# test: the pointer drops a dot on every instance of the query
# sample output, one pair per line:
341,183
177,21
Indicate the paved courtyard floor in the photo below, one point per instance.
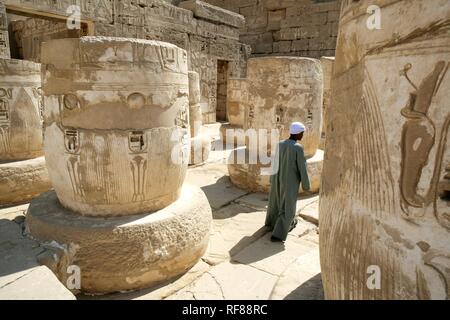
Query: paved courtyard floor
241,262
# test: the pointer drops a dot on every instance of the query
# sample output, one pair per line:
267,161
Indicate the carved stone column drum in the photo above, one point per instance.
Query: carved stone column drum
384,203
20,110
117,148
113,109
23,174
280,90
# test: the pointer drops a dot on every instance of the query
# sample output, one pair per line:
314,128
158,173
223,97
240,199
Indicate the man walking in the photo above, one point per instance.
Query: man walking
285,183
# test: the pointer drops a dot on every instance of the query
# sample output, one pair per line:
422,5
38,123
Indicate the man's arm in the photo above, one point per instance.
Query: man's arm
301,165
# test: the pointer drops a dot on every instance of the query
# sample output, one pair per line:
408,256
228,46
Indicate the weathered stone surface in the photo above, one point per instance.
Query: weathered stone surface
237,92
4,35
301,280
208,12
21,181
20,110
271,257
206,39
308,28
385,197
116,117
21,277
159,292
125,253
282,90
327,67
200,142
250,176
228,281
200,149
234,228
215,183
310,212
37,284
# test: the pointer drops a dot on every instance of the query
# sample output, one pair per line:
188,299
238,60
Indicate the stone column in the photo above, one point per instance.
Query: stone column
200,142
384,202
116,141
5,52
237,92
22,168
280,90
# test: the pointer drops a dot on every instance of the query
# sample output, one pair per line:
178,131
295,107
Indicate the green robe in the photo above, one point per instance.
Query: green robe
284,187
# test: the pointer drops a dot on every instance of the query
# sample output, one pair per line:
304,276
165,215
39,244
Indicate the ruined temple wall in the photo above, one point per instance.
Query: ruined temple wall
287,27
205,38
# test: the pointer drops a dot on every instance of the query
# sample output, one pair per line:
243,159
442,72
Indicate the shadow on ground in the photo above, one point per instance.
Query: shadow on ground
309,290
272,248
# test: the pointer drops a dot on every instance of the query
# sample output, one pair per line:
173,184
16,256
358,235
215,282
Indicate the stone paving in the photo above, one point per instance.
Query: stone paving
241,262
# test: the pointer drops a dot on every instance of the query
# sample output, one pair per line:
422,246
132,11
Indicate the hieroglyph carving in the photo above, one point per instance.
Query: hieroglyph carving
419,136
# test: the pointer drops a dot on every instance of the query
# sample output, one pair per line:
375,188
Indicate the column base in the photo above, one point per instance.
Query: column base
21,181
123,253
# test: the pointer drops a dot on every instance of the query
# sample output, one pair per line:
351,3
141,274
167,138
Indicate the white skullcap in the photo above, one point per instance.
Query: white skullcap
296,128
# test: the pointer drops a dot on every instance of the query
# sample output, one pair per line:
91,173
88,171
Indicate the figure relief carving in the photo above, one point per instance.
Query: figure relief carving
182,119
137,141
4,112
72,141
138,170
37,92
6,93
419,137
73,168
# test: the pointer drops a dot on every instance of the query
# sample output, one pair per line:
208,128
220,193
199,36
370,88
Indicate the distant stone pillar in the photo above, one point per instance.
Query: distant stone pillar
23,174
237,97
200,142
116,142
279,90
385,196
20,110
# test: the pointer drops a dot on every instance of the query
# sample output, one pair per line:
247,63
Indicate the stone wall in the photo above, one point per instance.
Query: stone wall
287,27
207,33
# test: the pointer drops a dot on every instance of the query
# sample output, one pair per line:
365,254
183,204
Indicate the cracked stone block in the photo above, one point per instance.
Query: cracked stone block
37,284
229,281
234,228
272,257
216,184
301,280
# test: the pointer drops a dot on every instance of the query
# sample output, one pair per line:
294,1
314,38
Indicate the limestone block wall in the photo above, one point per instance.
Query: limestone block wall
208,34
384,203
287,27
31,33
